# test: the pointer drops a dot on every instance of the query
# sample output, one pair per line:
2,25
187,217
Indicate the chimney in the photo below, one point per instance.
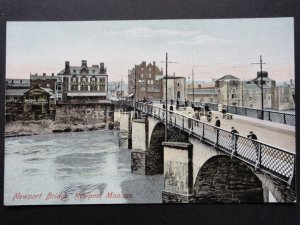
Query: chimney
44,74
102,69
52,74
291,81
83,63
154,64
67,67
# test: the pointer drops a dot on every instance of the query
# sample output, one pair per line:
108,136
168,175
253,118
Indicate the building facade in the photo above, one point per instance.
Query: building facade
44,80
17,84
285,96
230,90
82,84
39,103
177,88
148,81
252,92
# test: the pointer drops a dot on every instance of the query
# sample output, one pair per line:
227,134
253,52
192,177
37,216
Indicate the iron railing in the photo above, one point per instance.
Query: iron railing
269,115
277,162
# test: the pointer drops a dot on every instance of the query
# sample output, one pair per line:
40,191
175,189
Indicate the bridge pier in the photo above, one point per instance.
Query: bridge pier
178,173
124,129
139,147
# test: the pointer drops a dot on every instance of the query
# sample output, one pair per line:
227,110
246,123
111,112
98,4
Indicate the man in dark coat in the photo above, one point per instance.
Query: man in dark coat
234,138
218,122
253,136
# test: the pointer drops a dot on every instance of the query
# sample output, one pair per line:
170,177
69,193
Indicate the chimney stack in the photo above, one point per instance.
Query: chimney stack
83,63
67,67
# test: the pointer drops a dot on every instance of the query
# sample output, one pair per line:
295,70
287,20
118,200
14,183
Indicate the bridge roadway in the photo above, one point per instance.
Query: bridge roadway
275,134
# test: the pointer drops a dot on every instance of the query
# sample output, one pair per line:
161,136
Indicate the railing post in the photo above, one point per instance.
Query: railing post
284,118
234,146
202,131
217,137
258,154
183,122
175,115
269,115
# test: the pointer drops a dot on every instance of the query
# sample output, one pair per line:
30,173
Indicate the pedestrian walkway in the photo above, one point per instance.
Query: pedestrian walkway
274,134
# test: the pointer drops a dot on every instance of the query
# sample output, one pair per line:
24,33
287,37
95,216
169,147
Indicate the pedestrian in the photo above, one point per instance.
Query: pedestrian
197,117
224,112
185,103
234,137
253,136
177,104
172,101
190,120
218,122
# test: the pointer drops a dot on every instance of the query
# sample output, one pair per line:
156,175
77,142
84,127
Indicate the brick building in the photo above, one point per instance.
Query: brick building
44,80
82,84
148,81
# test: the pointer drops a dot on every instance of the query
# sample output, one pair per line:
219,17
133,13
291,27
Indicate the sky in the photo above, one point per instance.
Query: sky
211,48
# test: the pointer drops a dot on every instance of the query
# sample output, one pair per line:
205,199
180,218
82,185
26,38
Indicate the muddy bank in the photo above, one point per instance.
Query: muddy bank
35,127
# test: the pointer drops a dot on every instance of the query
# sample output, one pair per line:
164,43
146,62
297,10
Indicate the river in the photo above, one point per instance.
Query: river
74,168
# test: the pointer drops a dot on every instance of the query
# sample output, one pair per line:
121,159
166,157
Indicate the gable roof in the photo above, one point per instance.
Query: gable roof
228,77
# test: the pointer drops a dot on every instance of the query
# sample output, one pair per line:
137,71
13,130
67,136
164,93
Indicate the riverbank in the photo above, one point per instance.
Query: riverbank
36,127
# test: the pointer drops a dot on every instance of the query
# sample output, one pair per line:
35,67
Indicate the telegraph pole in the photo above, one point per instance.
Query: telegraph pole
166,129
134,99
166,96
261,86
193,85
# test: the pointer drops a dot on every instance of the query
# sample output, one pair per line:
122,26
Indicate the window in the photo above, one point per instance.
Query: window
178,84
178,94
233,96
250,97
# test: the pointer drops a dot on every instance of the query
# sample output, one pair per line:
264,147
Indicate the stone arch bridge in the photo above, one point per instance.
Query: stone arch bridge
203,163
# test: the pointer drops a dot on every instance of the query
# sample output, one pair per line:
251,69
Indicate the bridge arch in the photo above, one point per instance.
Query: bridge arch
155,150
222,179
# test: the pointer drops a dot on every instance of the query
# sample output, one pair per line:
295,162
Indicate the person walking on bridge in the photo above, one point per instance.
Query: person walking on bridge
253,136
218,122
234,138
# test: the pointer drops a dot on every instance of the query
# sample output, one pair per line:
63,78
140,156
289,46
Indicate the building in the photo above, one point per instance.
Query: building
285,96
177,88
82,84
230,90
39,103
148,81
203,95
14,99
17,84
252,92
117,90
44,80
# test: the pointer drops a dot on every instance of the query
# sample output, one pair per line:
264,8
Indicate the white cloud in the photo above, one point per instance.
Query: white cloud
149,32
201,40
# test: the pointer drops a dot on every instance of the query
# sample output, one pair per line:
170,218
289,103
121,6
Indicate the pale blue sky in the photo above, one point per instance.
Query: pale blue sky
212,47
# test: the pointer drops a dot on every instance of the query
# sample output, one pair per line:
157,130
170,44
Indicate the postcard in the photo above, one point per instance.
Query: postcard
150,111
